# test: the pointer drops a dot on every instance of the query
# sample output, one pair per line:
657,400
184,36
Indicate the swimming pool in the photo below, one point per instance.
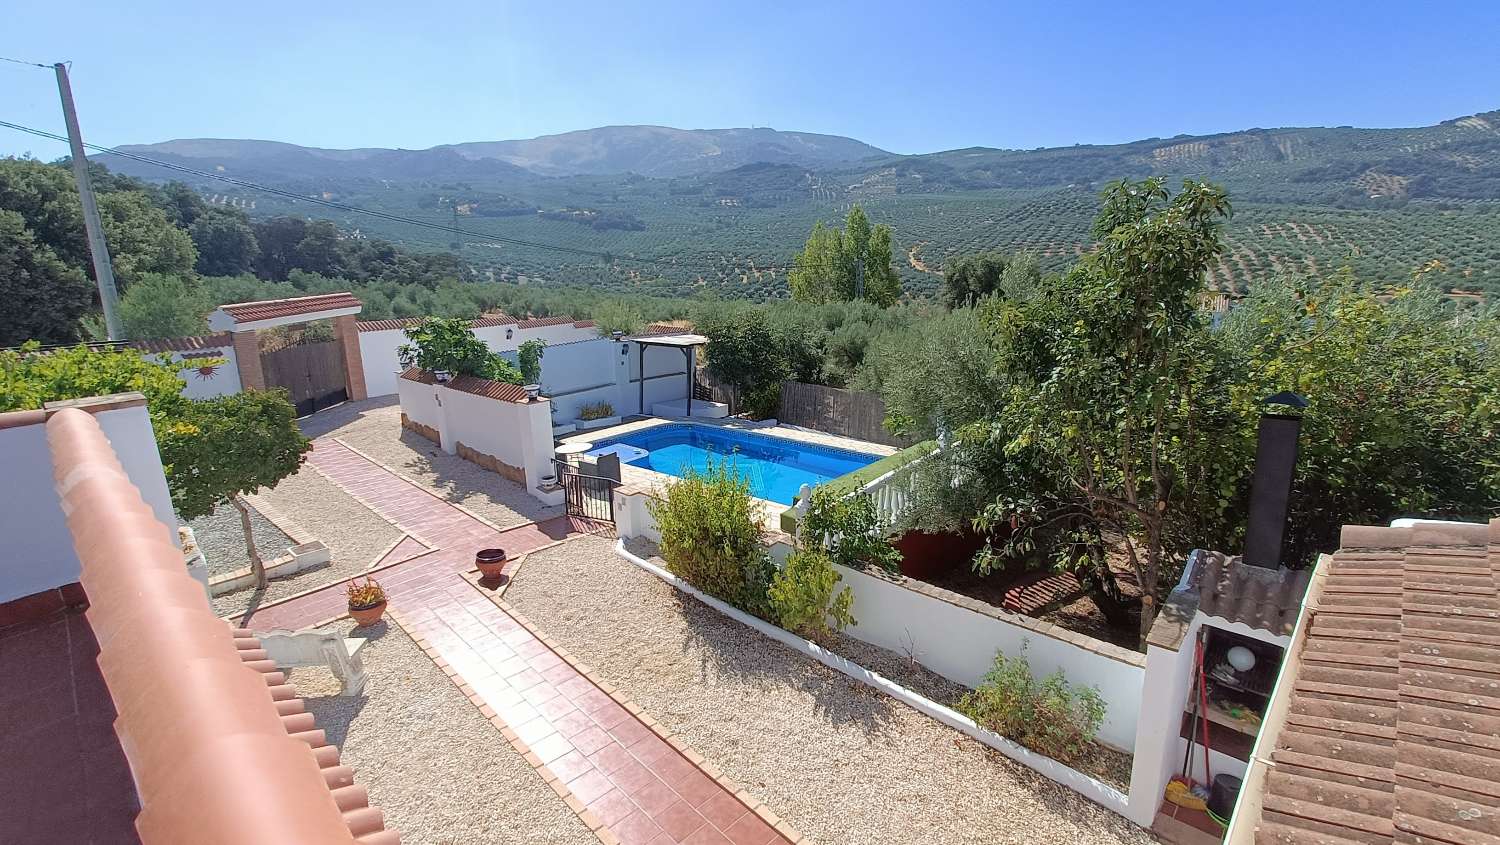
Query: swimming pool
776,467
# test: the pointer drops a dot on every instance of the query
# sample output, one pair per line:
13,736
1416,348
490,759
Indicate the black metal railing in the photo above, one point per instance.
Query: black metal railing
586,495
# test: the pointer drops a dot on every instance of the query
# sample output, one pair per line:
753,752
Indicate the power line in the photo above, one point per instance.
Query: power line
24,62
395,218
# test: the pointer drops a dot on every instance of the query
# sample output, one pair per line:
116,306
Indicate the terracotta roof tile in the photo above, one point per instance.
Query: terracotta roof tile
1392,732
220,749
491,389
385,325
182,344
541,322
418,374
481,323
496,320
249,312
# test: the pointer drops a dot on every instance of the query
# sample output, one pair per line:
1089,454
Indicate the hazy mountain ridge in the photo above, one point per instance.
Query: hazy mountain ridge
727,209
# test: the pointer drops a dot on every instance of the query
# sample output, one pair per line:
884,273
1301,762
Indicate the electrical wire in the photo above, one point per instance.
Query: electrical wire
24,62
608,257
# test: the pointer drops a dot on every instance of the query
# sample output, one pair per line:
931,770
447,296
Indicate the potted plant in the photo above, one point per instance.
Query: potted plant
490,563
366,602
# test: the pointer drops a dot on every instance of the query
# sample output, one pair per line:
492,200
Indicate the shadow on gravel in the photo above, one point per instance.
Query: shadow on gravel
727,648
339,416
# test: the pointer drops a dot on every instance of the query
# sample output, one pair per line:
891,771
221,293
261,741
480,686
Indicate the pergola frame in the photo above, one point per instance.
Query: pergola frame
688,343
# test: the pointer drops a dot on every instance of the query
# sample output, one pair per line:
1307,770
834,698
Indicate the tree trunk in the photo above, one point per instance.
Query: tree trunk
257,566
1148,612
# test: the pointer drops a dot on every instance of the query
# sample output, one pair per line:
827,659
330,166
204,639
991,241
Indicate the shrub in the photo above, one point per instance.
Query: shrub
450,345
1051,717
710,537
849,528
802,595
529,356
596,411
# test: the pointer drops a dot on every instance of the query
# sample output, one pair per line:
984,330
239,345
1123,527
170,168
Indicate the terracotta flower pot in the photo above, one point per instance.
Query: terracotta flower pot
490,563
364,617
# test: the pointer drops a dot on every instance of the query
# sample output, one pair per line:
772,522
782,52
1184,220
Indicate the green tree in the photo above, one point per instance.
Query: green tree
226,243
1111,369
1404,402
142,239
44,297
158,306
448,345
972,277
744,352
829,265
218,450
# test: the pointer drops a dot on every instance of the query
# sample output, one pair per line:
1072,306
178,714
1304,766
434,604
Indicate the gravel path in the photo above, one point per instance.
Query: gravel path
374,428
841,762
352,532
222,539
439,770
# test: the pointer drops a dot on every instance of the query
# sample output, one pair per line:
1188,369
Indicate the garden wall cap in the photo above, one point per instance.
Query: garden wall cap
269,309
220,749
1268,599
1392,726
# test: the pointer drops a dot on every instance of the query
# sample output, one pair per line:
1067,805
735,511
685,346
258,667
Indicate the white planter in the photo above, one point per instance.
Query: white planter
602,422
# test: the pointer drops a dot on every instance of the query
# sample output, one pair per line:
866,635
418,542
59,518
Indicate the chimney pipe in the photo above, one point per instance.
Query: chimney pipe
1271,487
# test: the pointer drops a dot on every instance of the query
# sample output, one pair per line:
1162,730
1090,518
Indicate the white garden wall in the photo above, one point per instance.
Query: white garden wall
39,552
960,643
419,402
495,428
378,347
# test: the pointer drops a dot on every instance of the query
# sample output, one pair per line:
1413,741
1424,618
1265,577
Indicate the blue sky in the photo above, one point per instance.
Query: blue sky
907,76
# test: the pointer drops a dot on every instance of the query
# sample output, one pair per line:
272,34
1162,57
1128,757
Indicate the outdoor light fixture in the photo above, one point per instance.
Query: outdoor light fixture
624,349
441,376
616,335
509,333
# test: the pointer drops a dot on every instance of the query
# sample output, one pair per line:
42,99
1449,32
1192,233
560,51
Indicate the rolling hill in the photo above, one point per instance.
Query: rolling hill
727,209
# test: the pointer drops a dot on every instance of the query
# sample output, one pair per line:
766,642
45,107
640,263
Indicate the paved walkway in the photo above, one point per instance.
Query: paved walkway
636,784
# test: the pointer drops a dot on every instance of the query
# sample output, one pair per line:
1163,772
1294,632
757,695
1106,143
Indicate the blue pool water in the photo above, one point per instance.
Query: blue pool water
776,467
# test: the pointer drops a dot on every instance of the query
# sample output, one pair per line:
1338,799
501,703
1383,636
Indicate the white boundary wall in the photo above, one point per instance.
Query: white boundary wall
39,553
960,644
377,349
224,380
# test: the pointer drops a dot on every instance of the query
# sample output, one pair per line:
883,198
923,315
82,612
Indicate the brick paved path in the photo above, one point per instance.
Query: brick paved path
633,782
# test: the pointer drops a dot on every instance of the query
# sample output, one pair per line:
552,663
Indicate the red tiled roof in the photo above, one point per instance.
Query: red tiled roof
1268,599
419,374
183,344
220,748
1392,724
249,312
497,320
491,389
542,322
385,325
584,324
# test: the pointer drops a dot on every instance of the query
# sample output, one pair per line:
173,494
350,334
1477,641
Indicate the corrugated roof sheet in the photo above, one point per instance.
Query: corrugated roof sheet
1268,599
1392,731
182,344
249,312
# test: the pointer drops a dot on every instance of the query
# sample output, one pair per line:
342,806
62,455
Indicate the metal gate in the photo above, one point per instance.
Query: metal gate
313,373
587,495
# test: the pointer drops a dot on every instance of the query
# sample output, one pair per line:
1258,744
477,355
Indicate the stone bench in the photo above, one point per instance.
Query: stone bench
319,648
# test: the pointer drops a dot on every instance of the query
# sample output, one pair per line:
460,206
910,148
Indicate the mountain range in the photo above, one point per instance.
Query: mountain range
727,208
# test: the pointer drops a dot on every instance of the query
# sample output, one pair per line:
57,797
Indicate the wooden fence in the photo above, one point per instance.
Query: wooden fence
847,413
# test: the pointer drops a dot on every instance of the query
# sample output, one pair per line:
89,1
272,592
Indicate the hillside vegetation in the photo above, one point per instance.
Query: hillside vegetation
725,210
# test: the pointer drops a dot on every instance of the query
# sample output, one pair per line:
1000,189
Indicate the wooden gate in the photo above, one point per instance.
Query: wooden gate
313,373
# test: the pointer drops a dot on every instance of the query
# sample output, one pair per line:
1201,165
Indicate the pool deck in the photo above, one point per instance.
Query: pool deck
634,476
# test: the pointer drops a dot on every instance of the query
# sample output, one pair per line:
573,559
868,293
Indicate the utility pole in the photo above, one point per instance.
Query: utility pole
104,272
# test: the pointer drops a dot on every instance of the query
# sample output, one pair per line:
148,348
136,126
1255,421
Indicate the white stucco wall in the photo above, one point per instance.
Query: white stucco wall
960,645
493,427
39,552
378,348
419,402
